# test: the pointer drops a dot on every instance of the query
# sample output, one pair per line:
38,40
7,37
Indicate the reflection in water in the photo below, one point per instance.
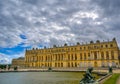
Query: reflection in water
41,78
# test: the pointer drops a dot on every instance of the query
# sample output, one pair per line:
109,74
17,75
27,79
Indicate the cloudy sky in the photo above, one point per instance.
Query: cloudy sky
37,23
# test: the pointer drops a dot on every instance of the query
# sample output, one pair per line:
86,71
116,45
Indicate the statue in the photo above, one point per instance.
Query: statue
110,69
15,68
49,69
88,78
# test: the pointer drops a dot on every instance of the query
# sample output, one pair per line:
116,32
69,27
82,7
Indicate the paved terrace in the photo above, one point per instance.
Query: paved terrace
115,70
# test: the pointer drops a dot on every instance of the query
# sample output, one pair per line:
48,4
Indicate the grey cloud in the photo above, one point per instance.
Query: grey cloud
110,7
56,21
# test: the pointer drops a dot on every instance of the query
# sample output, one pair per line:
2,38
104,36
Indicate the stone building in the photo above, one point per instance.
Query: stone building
19,62
98,54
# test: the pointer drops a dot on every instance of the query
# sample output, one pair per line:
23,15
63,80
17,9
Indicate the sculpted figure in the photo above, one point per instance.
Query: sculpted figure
88,78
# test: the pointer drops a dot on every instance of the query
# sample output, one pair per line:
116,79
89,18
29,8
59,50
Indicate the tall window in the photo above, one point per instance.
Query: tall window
61,56
45,64
75,64
42,58
68,64
55,64
58,64
61,64
112,54
68,56
107,55
58,56
46,58
85,56
84,48
89,56
102,53
71,56
102,57
75,56
95,55
75,48
72,64
80,56
48,65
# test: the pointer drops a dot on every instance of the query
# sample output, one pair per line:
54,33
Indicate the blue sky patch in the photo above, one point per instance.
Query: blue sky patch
23,36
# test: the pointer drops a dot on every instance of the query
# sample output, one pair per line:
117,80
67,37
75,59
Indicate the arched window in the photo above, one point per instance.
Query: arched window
80,56
48,65
107,55
72,64
112,58
55,64
45,64
102,57
75,56
85,56
71,56
84,48
68,56
75,48
42,58
112,54
75,64
101,46
102,54
58,64
68,64
95,55
61,56
80,48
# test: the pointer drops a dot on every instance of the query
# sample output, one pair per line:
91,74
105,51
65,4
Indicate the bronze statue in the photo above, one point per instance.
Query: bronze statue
88,78
110,70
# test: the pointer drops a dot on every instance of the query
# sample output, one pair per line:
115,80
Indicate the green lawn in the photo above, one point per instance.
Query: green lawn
112,80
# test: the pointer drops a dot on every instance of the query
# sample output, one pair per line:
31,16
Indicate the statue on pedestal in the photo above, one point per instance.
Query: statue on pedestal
110,69
88,78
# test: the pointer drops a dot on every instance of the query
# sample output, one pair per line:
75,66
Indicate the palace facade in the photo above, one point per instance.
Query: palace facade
98,54
18,62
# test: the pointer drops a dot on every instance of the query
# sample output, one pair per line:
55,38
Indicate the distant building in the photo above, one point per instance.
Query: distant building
19,62
98,54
